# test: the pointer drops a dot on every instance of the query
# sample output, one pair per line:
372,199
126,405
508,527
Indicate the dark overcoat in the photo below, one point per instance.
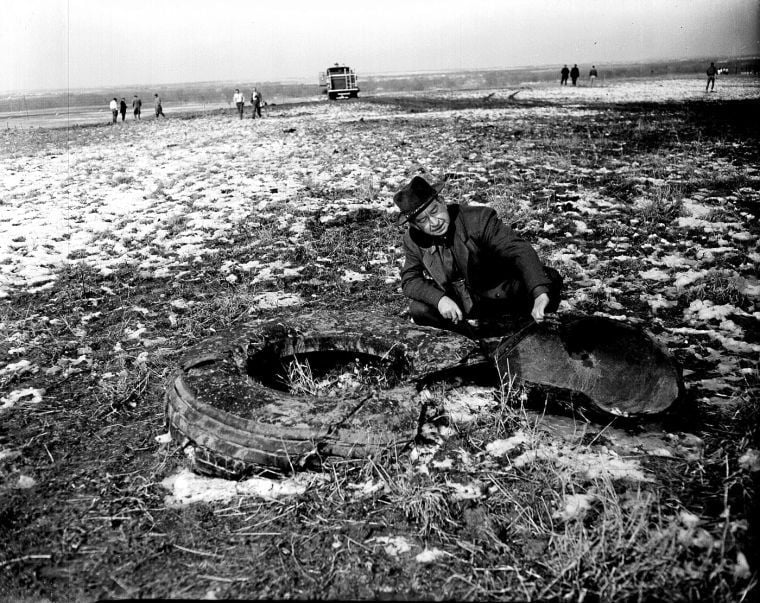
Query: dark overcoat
487,252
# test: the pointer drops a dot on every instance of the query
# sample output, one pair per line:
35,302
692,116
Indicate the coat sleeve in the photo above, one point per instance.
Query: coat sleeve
413,282
517,253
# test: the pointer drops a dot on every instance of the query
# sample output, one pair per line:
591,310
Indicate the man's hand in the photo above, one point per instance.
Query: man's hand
450,310
539,306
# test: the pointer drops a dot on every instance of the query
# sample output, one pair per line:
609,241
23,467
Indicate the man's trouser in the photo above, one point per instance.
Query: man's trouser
516,301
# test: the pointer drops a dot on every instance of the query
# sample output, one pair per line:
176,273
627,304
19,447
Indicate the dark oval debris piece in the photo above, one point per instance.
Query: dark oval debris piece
610,365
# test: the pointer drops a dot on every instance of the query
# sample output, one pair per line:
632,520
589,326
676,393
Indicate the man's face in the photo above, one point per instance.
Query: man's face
434,219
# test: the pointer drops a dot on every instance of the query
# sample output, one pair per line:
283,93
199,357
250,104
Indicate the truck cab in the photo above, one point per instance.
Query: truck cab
339,81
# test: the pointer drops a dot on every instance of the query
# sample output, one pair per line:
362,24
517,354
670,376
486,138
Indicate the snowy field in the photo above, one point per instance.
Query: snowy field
162,196
80,199
649,222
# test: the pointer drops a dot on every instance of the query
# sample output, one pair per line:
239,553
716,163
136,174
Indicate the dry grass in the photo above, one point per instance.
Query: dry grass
660,210
97,525
720,287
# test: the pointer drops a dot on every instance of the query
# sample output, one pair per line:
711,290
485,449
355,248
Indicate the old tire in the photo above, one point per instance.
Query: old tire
236,424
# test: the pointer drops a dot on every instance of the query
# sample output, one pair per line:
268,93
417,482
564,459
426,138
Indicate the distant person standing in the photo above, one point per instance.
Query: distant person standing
564,74
114,106
575,74
123,108
159,108
256,99
239,100
711,73
592,75
137,106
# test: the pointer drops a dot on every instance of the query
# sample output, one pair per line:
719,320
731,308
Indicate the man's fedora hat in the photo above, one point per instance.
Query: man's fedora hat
413,198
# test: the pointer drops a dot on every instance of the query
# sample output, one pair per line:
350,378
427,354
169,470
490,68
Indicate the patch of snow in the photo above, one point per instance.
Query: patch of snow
654,274
179,304
581,227
736,345
704,225
730,344
575,506
394,545
592,465
164,272
657,302
709,254
750,460
135,333
742,570
464,405
22,366
187,487
688,519
675,261
695,209
7,454
10,400
697,537
705,311
503,447
367,488
276,299
445,464
688,277
750,289
743,236
292,272
249,266
430,555
164,438
350,276
25,482
422,455
471,491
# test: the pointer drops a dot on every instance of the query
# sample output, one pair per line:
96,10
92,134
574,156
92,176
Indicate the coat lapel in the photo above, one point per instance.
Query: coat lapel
432,262
463,247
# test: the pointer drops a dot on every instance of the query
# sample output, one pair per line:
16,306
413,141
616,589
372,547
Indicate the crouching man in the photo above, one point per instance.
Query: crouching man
463,262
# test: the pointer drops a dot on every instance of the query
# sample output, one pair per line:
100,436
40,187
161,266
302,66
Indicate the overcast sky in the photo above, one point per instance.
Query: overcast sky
94,43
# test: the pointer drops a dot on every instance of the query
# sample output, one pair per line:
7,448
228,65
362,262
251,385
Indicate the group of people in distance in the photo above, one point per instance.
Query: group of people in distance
256,101
121,107
575,73
117,106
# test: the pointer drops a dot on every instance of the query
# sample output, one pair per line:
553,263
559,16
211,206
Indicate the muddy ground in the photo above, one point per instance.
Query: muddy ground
120,246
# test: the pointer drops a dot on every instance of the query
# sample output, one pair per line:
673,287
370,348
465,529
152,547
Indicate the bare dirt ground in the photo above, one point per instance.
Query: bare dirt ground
120,246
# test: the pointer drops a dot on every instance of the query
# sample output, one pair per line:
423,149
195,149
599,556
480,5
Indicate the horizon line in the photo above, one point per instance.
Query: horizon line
300,79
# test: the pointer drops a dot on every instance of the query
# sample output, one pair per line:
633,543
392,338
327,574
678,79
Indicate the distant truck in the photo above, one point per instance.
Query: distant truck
339,81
